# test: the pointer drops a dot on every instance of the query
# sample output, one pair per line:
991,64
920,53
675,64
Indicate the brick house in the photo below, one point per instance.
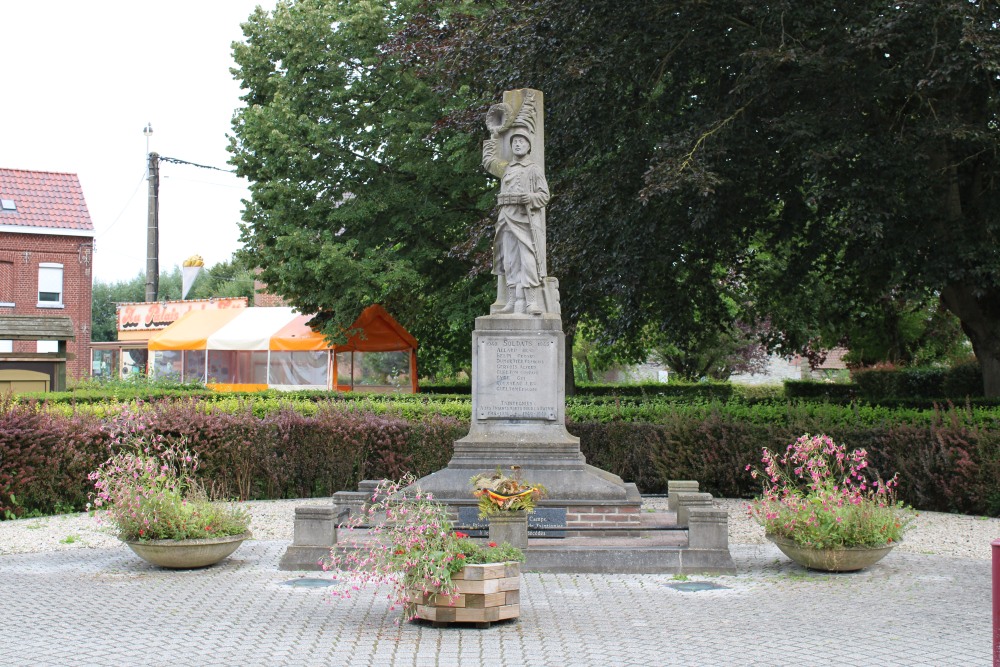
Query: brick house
46,259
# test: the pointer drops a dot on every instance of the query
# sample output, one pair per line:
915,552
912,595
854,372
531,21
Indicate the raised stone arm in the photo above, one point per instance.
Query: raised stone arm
491,162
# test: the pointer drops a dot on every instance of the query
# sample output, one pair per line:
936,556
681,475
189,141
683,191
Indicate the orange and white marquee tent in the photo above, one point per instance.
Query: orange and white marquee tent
256,348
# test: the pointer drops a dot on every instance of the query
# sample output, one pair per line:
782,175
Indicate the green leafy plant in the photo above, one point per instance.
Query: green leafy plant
148,490
820,496
406,540
499,493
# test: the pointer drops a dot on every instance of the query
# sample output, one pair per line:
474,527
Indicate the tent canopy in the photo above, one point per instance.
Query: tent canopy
277,329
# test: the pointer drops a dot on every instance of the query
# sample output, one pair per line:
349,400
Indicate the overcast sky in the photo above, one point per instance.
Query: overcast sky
80,81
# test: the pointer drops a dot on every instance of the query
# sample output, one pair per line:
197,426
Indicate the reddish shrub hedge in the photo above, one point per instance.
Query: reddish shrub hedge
45,458
948,463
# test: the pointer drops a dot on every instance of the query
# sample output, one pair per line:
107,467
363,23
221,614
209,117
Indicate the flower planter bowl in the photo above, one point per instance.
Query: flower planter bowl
844,559
187,554
486,593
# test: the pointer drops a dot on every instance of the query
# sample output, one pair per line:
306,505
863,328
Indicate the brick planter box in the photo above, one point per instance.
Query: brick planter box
486,593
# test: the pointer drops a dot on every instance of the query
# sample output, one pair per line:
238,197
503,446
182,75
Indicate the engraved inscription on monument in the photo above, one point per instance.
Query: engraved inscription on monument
516,377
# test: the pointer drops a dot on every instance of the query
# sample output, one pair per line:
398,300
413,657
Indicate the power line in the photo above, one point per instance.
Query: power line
131,197
195,164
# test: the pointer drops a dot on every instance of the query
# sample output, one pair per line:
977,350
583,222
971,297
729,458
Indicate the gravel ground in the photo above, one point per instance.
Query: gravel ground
934,533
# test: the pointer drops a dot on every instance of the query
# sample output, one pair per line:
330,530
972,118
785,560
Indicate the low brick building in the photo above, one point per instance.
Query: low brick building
46,261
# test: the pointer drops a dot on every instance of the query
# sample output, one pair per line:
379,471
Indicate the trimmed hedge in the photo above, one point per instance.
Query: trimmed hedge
948,459
45,458
949,464
957,382
813,389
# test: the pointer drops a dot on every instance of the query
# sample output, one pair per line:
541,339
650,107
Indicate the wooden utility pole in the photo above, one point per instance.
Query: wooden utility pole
152,230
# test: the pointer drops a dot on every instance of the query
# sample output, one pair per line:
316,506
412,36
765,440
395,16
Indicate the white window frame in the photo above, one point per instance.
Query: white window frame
46,346
46,281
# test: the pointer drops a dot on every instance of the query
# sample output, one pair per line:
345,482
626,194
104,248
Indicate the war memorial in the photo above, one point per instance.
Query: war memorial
591,520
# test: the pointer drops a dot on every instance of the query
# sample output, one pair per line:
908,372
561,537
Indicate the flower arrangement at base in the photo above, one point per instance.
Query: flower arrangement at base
147,489
409,544
820,496
500,493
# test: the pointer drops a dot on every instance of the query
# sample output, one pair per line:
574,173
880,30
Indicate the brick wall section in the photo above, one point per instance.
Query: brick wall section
25,252
262,298
599,516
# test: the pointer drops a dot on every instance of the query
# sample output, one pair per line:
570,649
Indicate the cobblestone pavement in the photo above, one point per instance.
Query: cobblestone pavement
107,607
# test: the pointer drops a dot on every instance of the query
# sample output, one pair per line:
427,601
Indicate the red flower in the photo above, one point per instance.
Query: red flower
400,552
492,544
460,534
460,556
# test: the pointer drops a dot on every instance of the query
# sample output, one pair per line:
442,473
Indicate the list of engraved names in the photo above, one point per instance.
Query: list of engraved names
517,377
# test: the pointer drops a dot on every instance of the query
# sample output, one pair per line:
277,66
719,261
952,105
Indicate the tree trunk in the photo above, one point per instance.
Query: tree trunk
979,312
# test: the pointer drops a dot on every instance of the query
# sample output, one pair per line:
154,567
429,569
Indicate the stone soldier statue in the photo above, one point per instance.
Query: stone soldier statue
519,244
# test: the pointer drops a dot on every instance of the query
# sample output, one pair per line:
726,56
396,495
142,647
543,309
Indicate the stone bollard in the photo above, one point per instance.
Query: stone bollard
685,501
315,525
367,487
708,528
510,527
353,501
675,486
315,533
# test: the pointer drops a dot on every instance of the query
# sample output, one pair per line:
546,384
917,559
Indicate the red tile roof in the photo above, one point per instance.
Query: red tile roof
44,199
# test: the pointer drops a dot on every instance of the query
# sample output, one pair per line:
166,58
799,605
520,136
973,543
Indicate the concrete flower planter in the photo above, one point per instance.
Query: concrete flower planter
845,559
187,554
486,593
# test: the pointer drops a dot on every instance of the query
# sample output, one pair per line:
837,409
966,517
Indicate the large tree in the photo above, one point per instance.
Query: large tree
853,150
804,160
357,196
817,157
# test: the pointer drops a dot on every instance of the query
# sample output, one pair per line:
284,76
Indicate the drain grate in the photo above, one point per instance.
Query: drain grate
695,586
309,582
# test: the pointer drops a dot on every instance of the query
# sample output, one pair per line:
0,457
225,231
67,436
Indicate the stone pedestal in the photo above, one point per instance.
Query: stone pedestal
315,534
687,501
509,527
676,486
519,418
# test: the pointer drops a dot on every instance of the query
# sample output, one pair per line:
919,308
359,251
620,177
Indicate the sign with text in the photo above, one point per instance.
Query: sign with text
542,522
516,377
155,315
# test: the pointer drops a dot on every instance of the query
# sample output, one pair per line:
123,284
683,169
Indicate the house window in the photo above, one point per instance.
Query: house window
48,346
50,285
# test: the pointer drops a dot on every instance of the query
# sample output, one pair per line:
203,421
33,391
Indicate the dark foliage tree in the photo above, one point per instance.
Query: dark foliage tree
820,155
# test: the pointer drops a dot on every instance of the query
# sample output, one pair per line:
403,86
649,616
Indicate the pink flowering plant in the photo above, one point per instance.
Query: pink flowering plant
406,540
147,489
821,496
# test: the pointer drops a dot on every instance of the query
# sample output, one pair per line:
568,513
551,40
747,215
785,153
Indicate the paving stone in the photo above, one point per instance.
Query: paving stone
95,606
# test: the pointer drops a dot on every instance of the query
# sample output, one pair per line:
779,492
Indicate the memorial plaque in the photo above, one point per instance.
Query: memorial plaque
517,377
542,522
